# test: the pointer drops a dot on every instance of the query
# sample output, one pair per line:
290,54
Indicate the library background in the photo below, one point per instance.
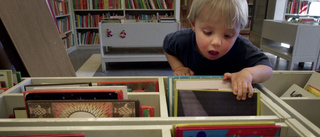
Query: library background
87,67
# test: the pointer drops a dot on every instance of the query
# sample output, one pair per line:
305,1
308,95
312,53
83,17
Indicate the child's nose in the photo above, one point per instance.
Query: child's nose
216,41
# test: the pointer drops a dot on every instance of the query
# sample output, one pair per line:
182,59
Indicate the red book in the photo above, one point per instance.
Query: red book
50,135
147,85
243,131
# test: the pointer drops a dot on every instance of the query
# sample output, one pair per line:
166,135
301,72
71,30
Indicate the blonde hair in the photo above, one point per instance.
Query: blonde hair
231,12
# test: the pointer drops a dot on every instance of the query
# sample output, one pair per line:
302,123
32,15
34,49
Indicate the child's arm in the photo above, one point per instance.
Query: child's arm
178,68
242,80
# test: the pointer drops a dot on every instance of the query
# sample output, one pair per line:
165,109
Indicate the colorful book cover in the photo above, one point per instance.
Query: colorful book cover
146,111
146,85
229,131
6,78
82,108
214,103
50,135
195,129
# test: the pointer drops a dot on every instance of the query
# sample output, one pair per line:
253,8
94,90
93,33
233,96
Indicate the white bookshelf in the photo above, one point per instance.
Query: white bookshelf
119,11
302,38
142,43
158,126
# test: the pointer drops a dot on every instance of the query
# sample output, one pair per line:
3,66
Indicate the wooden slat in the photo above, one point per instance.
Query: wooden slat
36,38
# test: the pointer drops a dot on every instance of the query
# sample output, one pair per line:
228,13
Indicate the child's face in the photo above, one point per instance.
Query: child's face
213,39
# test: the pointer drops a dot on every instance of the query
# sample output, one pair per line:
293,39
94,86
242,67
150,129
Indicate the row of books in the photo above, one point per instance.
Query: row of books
59,7
8,79
68,41
97,4
89,20
117,4
88,37
303,7
149,4
65,100
63,24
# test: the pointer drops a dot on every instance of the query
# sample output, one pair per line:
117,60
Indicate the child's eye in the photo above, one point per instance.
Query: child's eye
228,36
207,32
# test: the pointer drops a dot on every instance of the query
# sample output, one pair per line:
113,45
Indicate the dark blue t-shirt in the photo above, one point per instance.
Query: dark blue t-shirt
182,44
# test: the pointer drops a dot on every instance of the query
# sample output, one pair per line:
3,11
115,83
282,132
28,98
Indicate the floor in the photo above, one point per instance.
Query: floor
87,63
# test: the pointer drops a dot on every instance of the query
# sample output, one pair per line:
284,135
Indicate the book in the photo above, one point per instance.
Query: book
20,112
227,129
6,79
297,91
216,82
50,135
123,89
72,94
16,77
146,85
31,87
146,111
82,108
194,102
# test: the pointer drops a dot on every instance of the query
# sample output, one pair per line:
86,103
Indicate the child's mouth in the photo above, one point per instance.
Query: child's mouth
213,53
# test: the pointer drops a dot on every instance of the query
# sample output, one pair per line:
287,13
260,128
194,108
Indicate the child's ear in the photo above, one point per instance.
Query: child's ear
192,25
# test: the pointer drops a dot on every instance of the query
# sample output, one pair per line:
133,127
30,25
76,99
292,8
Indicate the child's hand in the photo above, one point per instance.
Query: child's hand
241,83
183,71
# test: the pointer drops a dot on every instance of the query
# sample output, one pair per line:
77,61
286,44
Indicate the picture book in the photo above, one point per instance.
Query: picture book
70,87
146,111
20,112
194,82
73,94
297,91
223,129
82,108
31,87
146,85
229,131
6,79
16,77
313,85
195,102
50,135
171,80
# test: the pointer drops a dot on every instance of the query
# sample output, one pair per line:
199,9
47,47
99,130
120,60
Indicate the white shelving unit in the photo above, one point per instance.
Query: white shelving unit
142,42
302,38
158,126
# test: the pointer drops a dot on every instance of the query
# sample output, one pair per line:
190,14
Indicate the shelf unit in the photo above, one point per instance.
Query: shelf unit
302,38
246,30
61,12
94,12
158,126
142,42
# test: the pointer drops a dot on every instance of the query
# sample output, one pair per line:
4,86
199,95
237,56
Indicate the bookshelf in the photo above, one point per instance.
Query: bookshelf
303,41
61,12
158,126
296,9
88,14
246,31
